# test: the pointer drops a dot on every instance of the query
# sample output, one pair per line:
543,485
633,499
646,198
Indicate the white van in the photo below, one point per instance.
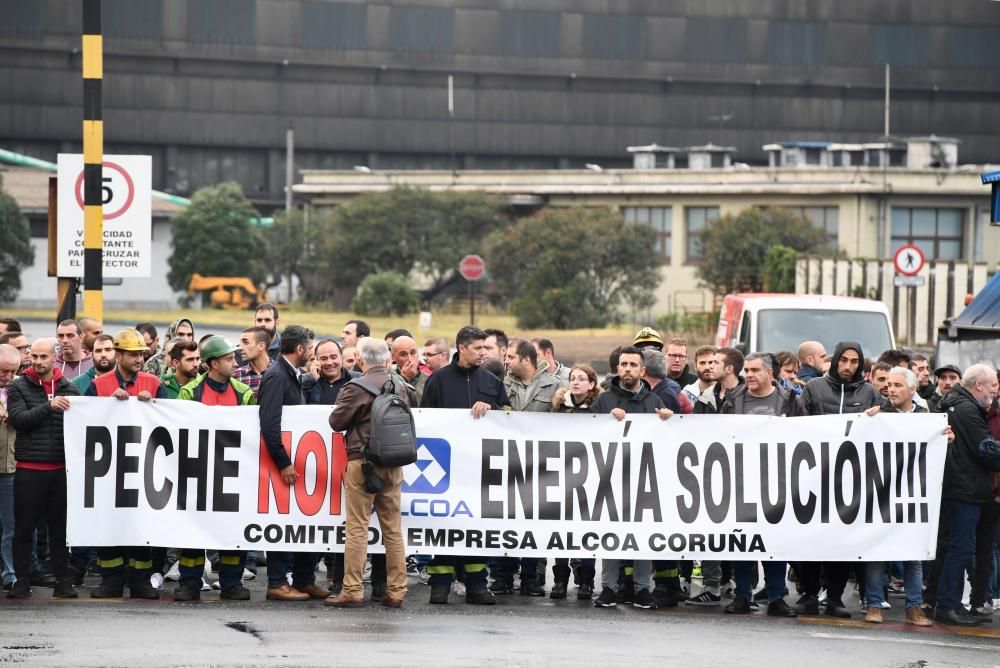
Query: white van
763,322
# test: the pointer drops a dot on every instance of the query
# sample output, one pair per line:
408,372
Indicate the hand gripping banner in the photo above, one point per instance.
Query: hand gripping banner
839,487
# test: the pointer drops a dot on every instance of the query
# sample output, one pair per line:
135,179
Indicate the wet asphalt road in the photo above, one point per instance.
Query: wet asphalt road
517,631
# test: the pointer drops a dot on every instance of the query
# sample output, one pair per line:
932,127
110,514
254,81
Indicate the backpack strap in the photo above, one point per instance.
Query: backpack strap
366,385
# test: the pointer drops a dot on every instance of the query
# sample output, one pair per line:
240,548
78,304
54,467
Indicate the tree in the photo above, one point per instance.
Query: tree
16,251
569,268
734,248
400,231
779,269
214,236
286,247
385,294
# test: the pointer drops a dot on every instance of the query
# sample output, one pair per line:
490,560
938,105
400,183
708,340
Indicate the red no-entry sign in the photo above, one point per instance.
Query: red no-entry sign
472,267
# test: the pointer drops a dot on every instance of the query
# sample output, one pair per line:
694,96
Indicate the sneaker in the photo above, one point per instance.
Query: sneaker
423,577
886,605
411,566
705,598
21,589
607,599
64,589
626,592
643,599
896,589
366,574
739,606
205,586
917,617
686,588
458,588
249,574
874,616
761,595
754,605
174,572
979,612
156,580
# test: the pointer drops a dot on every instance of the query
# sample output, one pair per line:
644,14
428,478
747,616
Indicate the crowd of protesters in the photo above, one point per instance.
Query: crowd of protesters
273,367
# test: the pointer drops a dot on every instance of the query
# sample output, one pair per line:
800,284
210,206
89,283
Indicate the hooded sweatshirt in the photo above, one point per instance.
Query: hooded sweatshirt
829,395
157,364
73,369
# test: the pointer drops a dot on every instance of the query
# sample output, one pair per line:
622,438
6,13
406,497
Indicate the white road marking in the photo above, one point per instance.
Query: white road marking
910,641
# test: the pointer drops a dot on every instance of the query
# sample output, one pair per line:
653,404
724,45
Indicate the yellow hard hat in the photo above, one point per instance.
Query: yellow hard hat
130,340
648,337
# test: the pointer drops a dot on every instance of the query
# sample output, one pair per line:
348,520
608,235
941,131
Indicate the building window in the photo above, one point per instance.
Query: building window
613,37
334,25
937,232
231,22
660,218
902,45
796,43
422,29
696,218
826,218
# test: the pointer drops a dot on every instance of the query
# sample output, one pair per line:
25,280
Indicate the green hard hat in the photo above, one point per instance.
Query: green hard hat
216,346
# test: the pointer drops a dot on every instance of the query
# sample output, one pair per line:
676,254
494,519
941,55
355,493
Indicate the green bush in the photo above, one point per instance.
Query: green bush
385,294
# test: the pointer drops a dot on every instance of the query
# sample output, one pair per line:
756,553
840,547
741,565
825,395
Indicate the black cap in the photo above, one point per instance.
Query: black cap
948,367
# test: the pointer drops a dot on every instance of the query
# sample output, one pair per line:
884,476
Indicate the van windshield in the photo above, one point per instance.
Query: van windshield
785,329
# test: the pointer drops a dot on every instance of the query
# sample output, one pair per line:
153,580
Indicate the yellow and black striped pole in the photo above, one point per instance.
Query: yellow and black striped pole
93,156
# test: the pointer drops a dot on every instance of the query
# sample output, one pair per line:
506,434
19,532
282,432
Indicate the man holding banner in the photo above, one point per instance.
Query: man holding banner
842,390
217,387
279,387
124,381
760,395
464,384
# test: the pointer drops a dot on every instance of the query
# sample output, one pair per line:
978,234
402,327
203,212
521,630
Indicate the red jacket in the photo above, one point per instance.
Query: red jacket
106,384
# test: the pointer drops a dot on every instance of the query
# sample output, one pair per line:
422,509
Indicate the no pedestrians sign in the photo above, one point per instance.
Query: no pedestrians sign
127,193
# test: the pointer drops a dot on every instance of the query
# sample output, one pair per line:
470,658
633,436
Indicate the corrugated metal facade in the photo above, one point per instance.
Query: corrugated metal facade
209,86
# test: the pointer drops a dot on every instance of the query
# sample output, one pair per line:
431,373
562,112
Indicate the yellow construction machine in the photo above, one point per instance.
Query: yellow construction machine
229,292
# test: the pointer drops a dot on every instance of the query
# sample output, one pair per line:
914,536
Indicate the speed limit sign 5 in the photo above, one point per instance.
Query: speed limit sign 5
126,213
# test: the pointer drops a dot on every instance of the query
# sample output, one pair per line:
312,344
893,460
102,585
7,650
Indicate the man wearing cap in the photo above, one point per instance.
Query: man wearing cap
127,380
948,376
216,387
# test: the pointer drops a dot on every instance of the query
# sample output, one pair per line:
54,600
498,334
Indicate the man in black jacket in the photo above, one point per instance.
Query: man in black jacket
464,384
35,405
965,488
279,387
842,390
628,394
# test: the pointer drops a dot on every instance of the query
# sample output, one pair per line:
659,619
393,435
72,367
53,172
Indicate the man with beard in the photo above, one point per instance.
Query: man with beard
628,394
705,361
948,376
463,384
266,316
842,390
124,381
104,361
185,360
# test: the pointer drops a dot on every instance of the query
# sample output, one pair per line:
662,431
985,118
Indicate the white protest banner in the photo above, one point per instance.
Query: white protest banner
842,488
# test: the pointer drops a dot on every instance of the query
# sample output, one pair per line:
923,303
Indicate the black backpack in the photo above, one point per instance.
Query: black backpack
393,440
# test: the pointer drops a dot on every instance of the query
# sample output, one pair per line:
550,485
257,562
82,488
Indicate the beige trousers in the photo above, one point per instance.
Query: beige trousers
359,508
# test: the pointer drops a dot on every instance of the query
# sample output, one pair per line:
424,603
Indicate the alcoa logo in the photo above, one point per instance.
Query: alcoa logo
431,473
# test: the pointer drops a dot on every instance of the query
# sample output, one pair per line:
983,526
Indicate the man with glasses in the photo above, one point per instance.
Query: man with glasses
677,366
19,341
436,353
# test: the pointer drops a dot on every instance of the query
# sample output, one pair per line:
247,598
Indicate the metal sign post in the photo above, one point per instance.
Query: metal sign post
472,268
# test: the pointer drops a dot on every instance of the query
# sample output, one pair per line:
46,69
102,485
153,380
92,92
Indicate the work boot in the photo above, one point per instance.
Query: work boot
874,616
531,588
187,590
836,608
64,589
560,578
807,605
439,594
140,587
112,586
76,575
481,597
235,593
664,595
502,587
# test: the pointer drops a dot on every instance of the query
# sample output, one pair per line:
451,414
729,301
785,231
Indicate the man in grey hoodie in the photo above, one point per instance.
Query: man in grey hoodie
181,328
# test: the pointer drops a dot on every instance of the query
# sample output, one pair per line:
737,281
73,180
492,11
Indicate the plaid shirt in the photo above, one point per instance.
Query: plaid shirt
247,374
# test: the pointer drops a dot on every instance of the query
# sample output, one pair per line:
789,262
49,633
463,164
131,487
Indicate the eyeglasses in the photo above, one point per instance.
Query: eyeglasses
443,352
677,356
